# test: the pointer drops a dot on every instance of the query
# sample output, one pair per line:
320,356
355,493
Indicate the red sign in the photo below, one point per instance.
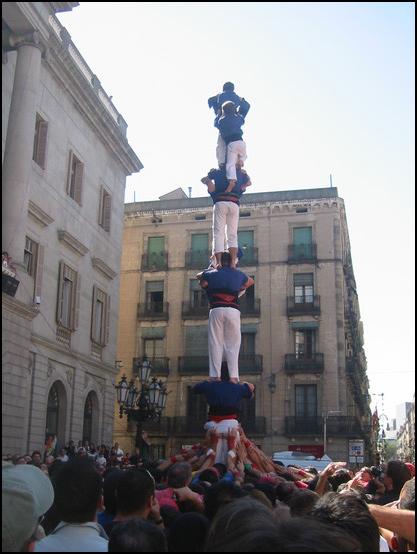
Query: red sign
316,450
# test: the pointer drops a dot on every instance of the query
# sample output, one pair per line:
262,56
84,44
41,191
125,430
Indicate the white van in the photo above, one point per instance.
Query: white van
301,459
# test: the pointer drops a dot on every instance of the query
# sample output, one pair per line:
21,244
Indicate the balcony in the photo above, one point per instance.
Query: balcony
302,253
299,363
336,426
197,259
307,305
193,365
154,311
250,364
160,366
190,311
250,257
188,425
250,307
155,262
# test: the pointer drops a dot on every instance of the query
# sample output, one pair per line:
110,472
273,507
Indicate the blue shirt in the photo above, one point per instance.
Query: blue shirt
230,127
223,397
221,183
217,101
223,286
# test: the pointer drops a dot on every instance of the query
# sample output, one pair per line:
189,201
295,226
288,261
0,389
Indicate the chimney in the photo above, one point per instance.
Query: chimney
189,191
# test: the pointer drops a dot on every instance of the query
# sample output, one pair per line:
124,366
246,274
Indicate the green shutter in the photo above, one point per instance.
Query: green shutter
245,239
154,286
302,235
304,325
303,279
199,243
153,332
196,341
156,245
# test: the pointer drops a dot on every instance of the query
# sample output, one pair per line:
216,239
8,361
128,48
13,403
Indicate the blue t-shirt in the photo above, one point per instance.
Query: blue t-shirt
217,101
223,397
230,127
221,183
223,286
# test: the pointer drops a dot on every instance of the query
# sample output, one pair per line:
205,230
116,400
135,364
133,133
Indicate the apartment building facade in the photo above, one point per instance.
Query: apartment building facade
65,161
302,338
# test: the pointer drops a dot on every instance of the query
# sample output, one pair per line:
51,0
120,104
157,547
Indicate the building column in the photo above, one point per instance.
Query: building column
17,164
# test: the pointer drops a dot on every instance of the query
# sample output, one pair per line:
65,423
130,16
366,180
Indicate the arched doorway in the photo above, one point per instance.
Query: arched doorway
56,412
90,421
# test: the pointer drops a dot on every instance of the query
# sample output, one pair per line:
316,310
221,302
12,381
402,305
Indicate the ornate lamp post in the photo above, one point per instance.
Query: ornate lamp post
145,403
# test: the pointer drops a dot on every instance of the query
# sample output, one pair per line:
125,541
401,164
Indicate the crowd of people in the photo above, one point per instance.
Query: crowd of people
89,499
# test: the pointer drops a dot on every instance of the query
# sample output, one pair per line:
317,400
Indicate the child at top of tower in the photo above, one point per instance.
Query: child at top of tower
228,94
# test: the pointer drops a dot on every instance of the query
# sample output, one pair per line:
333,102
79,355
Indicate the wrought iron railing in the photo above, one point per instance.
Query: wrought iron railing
306,305
197,259
154,311
298,363
250,307
155,262
298,253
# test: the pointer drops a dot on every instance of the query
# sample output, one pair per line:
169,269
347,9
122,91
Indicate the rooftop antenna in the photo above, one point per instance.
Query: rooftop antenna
331,182
189,191
134,196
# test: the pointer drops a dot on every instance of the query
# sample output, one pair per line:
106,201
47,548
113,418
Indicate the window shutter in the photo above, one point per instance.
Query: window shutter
100,211
196,341
302,235
106,211
93,314
156,245
199,243
245,239
154,286
79,171
60,299
301,279
71,154
107,320
41,146
39,270
76,302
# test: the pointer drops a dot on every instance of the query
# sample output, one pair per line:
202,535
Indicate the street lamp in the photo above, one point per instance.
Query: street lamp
325,416
144,404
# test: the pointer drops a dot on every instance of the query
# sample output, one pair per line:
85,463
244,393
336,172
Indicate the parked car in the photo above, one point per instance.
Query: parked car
301,459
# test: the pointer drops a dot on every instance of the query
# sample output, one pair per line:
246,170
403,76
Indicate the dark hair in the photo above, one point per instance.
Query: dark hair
350,512
209,475
178,475
228,86
229,108
408,495
137,535
188,533
226,258
244,525
77,488
220,494
220,467
304,534
133,491
169,514
302,502
109,490
269,491
399,473
341,476
284,491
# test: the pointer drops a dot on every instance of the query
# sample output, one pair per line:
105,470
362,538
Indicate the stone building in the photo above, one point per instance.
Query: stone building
406,435
302,338
65,160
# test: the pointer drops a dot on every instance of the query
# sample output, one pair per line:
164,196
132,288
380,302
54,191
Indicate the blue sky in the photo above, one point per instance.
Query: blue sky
331,87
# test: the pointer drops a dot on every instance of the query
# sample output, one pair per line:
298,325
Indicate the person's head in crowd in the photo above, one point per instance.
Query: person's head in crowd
179,475
199,487
339,477
168,515
395,475
135,491
188,533
221,468
28,459
244,525
78,491
137,535
260,497
53,468
302,502
351,513
156,473
21,460
109,490
220,494
36,458
304,534
211,475
268,490
49,460
284,491
82,452
408,495
27,494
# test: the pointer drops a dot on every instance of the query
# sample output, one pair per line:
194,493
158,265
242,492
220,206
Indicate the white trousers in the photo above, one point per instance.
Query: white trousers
222,427
220,150
224,337
236,150
225,225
